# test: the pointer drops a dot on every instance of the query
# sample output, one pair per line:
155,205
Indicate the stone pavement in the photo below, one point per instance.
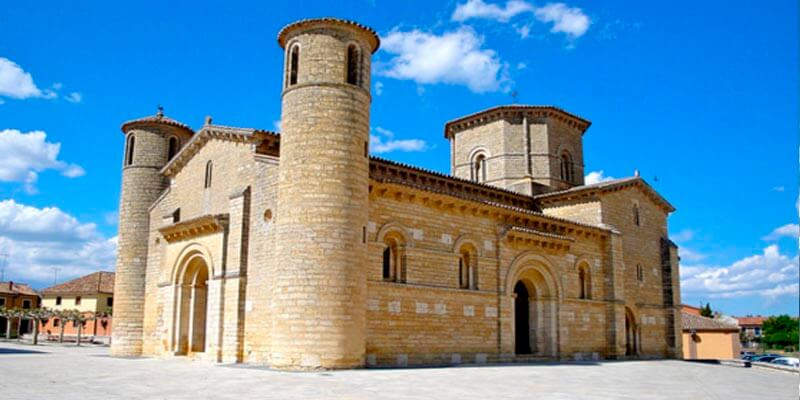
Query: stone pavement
66,372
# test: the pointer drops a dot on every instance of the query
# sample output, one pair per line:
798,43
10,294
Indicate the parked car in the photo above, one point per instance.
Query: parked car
766,358
790,361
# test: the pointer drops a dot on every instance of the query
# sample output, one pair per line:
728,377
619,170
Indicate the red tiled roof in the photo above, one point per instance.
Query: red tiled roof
492,113
94,283
305,23
750,321
155,119
614,184
693,322
17,288
690,309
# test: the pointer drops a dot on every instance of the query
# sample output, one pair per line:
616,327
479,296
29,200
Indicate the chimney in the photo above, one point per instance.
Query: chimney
11,285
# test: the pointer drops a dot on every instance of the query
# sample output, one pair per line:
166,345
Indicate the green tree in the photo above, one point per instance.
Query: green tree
78,320
17,313
39,316
63,316
706,311
781,332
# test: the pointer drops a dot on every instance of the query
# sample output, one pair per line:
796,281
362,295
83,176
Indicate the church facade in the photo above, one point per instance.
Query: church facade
301,251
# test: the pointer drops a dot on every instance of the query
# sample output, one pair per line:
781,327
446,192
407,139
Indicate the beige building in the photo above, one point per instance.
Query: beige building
709,338
301,251
92,295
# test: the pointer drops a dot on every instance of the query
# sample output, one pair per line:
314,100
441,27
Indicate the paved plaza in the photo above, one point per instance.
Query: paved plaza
66,372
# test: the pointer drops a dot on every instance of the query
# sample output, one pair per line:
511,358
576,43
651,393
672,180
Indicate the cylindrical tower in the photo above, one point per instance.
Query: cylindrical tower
320,279
149,144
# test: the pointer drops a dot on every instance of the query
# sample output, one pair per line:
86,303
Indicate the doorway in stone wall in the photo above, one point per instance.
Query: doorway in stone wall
631,334
192,305
522,316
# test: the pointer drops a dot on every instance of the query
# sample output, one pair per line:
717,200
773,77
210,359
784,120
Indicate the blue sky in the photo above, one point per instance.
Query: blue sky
701,95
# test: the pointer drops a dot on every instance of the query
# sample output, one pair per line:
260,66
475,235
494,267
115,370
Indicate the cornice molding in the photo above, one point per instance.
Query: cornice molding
196,227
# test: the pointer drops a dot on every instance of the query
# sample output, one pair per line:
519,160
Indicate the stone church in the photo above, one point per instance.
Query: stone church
299,250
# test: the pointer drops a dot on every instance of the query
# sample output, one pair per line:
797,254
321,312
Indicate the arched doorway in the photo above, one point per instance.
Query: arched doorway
192,306
522,329
535,311
631,336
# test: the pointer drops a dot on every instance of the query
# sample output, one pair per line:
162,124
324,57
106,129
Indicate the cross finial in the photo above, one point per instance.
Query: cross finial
160,112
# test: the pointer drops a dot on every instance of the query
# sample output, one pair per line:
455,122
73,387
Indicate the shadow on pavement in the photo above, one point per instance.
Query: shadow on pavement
4,350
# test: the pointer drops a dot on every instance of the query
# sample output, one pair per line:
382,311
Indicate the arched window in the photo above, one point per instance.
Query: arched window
129,150
388,257
353,63
467,268
294,64
566,167
479,168
394,259
209,168
636,214
173,147
585,282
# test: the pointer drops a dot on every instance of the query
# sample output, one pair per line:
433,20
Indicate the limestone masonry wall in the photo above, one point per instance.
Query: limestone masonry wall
284,250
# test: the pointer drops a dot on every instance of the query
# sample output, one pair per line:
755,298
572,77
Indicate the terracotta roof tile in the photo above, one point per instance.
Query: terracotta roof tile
155,119
94,283
462,122
282,35
632,181
698,323
757,320
17,288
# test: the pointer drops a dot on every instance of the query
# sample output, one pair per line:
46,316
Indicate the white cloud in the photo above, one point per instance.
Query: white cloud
111,218
686,253
788,230
683,236
596,177
27,223
779,188
769,275
479,9
456,57
24,155
15,82
690,255
41,239
73,171
523,30
521,66
384,142
378,88
74,97
569,20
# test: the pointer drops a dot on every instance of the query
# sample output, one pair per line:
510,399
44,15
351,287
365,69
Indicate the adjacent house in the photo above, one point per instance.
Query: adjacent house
90,294
17,295
690,309
751,328
709,338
